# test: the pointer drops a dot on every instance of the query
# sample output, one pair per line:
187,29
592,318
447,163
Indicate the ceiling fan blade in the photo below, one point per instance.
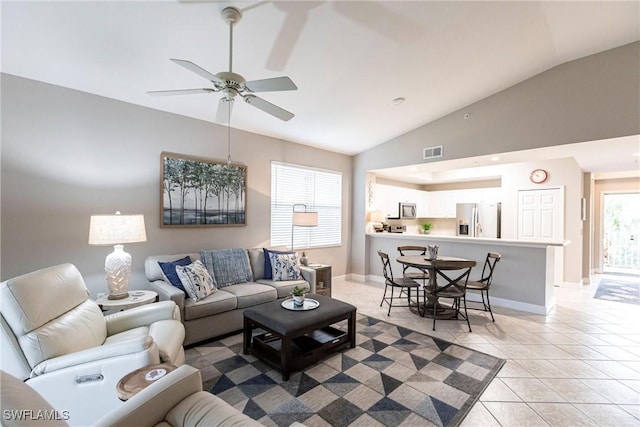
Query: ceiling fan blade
179,92
225,105
268,107
198,70
267,85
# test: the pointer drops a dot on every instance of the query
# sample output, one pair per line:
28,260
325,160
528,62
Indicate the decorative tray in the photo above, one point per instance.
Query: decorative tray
308,304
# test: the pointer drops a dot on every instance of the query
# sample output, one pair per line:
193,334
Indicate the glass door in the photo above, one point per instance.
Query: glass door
621,233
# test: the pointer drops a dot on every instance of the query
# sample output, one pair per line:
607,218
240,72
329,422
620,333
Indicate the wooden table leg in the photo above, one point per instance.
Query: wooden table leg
246,337
285,357
352,329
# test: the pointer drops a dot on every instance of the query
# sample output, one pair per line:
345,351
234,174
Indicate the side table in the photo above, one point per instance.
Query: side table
135,299
323,278
137,380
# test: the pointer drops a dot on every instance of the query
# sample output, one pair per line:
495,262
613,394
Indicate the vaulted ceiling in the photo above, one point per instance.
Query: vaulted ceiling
348,59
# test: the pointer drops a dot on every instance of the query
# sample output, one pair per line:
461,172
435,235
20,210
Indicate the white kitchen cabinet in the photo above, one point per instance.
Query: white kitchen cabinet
388,197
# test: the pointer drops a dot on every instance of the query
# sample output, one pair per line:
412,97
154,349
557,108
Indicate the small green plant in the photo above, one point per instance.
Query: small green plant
298,292
426,226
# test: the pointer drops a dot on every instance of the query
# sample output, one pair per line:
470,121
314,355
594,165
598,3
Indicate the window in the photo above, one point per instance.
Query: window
320,190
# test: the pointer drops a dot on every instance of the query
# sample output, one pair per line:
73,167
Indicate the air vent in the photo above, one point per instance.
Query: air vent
432,152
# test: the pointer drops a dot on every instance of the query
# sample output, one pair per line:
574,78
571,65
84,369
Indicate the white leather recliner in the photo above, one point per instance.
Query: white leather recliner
175,400
57,339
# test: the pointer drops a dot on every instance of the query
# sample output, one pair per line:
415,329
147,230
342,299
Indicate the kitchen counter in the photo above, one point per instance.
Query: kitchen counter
524,278
473,240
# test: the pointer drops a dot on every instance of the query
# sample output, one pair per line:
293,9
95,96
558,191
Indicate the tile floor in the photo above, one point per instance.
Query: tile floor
577,366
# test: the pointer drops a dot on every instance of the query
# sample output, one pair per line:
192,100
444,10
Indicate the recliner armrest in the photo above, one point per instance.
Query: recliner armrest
141,316
92,354
150,406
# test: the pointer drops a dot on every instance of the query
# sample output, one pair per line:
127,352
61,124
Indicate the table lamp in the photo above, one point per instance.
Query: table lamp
302,219
116,230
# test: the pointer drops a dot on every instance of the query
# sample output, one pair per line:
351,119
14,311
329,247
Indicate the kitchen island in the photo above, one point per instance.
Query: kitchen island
524,278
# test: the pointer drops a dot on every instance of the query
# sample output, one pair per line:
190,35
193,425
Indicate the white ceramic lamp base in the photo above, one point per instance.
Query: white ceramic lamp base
117,265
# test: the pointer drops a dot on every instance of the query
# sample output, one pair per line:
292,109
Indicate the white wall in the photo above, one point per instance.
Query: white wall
68,154
588,99
563,173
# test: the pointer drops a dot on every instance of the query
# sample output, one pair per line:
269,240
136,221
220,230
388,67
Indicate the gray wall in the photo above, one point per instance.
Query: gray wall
592,98
67,155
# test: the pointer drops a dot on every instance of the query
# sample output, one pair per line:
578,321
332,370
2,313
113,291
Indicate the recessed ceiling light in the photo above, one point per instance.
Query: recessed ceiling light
398,101
495,158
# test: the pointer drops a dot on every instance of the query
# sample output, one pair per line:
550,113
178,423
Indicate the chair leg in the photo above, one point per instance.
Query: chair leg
435,307
489,305
384,295
390,302
466,315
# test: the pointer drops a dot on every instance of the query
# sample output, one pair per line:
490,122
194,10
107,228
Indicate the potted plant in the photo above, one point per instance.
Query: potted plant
298,296
426,227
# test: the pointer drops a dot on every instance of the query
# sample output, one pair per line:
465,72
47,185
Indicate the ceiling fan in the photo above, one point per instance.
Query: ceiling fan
231,84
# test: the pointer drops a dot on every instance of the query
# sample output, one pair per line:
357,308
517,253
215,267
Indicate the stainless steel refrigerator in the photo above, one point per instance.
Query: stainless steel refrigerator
478,219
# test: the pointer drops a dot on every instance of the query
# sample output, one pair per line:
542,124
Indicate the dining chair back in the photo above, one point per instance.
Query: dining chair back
484,283
404,284
412,272
451,278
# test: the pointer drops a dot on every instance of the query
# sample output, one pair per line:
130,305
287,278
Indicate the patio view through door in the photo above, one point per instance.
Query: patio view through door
621,233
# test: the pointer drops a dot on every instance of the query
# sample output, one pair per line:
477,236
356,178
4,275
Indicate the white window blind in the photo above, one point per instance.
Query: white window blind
320,190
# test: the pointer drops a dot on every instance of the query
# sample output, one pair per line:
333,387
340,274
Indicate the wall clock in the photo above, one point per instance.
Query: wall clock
538,176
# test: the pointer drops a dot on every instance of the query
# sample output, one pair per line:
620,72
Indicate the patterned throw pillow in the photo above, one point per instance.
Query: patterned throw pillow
196,280
267,261
284,267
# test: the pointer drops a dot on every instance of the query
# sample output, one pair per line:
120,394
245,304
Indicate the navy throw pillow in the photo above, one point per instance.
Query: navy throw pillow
169,270
267,262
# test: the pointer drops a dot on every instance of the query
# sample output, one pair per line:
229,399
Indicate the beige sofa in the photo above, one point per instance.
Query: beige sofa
221,312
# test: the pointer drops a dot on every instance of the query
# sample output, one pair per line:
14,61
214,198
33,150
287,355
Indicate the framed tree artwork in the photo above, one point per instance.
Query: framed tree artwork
197,192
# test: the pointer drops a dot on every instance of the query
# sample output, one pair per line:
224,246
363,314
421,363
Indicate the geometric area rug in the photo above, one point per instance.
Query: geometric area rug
625,290
393,377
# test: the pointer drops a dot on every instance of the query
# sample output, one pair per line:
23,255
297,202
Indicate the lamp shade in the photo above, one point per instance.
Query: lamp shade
116,229
305,219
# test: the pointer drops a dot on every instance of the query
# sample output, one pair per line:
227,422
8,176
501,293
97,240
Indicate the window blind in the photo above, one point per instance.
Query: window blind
320,190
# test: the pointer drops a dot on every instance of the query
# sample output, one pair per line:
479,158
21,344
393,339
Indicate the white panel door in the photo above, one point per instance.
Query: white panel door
541,214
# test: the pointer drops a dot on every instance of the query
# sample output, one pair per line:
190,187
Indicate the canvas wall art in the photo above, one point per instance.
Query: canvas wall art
198,192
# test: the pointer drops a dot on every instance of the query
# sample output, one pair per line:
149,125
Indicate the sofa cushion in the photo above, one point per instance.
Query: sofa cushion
228,266
285,266
196,280
285,287
268,274
169,271
250,294
215,303
256,259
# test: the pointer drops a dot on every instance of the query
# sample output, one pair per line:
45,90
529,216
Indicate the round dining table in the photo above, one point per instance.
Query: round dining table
423,263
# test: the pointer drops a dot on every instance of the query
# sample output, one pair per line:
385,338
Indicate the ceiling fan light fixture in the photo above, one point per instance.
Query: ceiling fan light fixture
232,84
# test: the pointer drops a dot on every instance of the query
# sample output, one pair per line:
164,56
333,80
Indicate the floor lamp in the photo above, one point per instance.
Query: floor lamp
302,219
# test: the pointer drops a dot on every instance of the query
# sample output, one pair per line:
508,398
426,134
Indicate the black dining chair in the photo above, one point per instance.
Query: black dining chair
402,283
484,283
414,272
453,277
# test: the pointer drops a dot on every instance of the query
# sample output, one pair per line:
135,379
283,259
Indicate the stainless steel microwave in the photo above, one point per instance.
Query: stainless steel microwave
407,210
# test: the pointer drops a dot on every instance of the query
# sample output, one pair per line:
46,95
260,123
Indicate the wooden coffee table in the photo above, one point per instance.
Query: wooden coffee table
295,339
